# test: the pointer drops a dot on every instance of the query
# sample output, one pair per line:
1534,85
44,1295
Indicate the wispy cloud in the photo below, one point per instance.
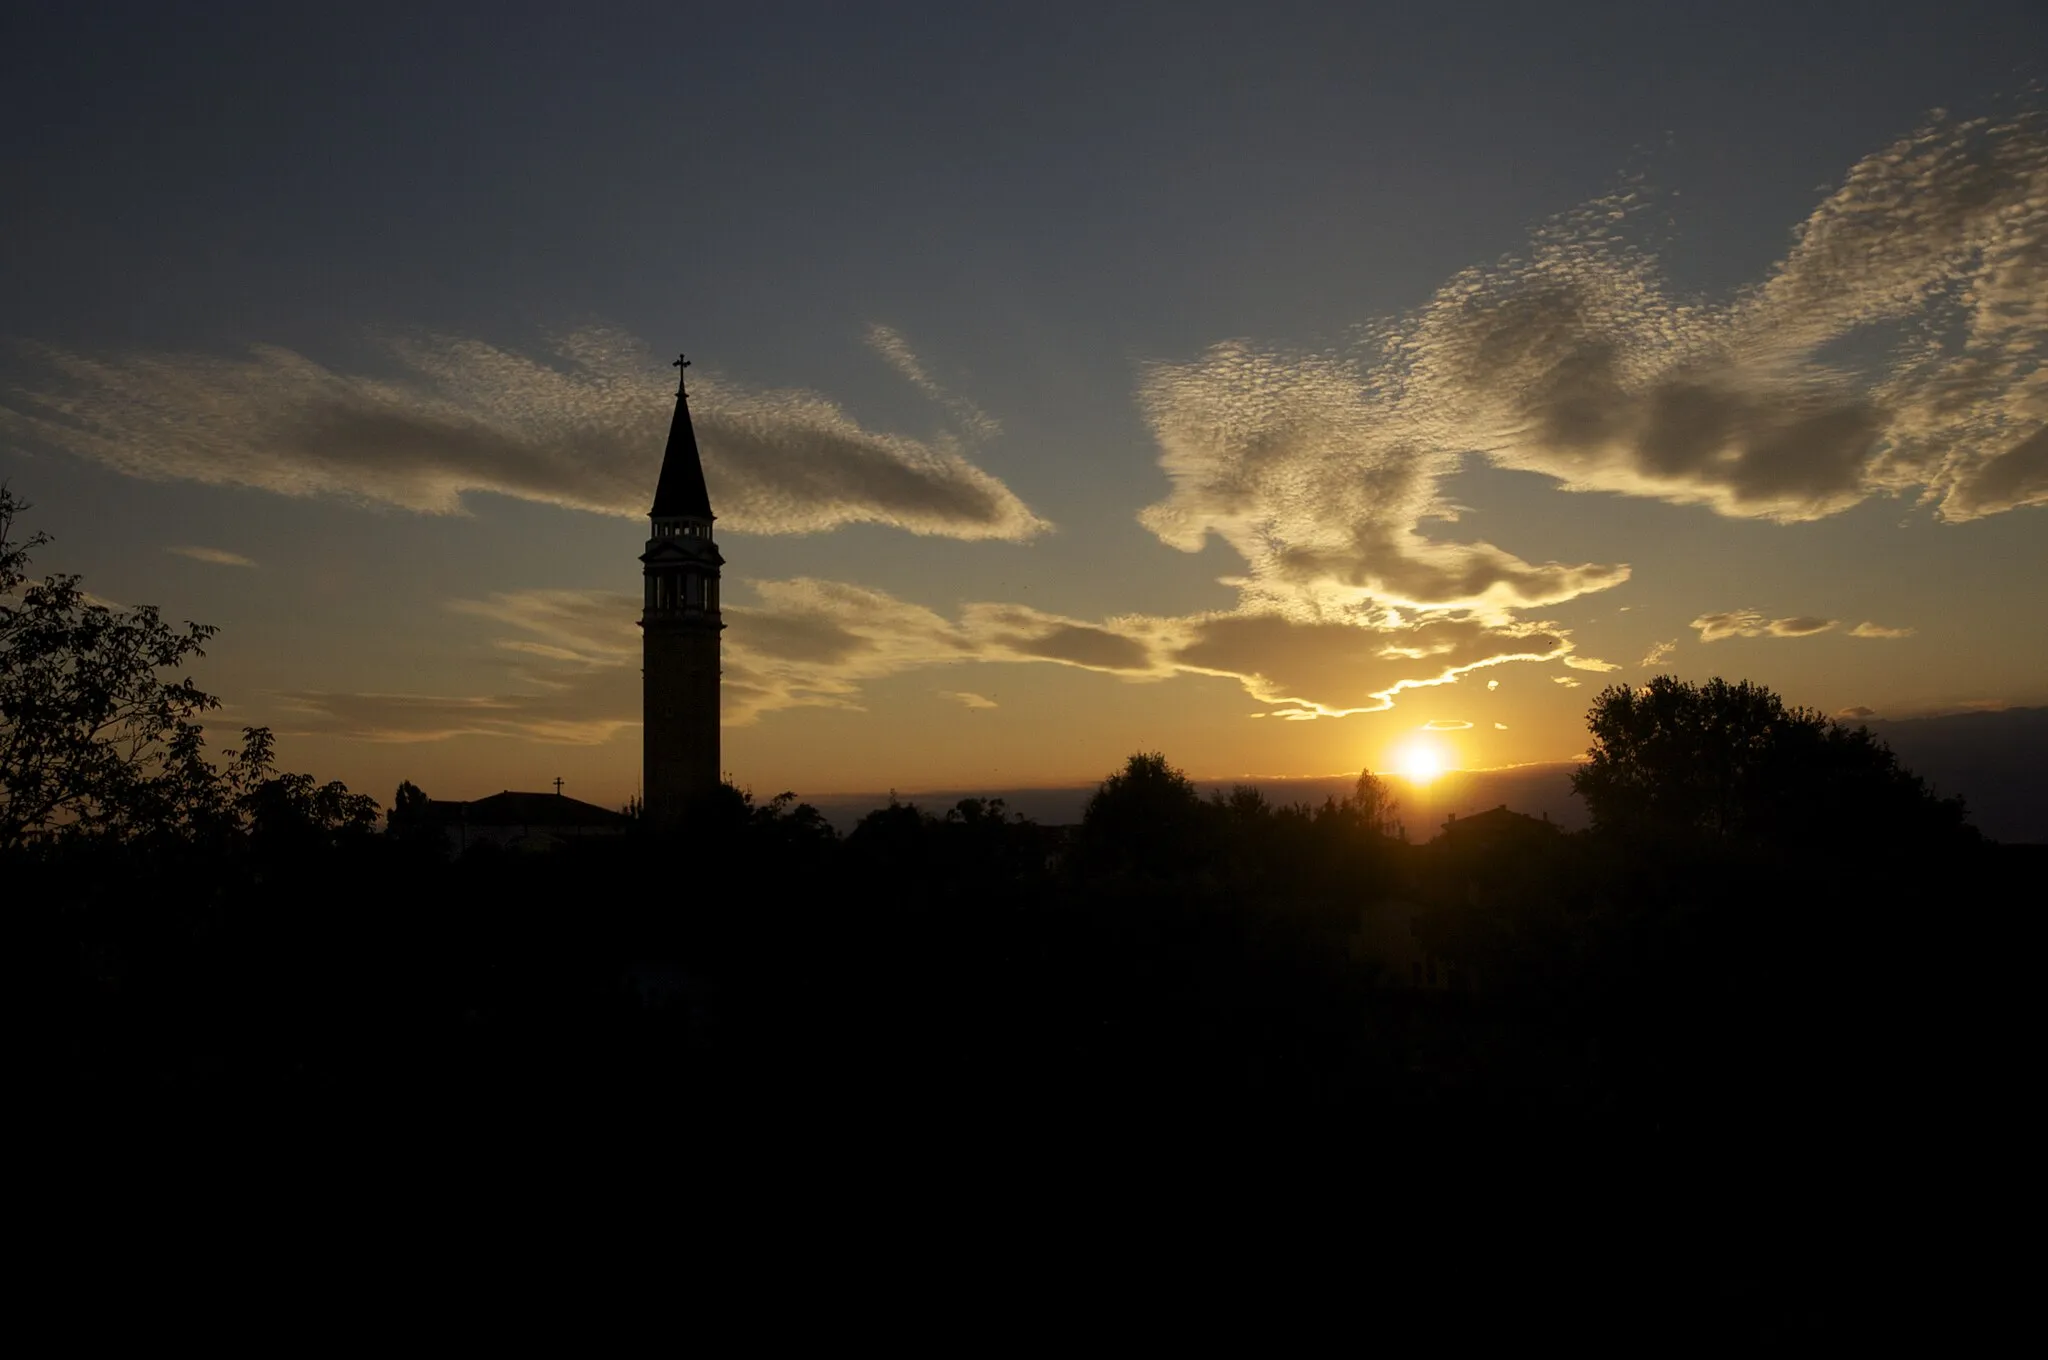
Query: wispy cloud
1749,623
966,699
1590,663
219,557
1659,653
1867,629
1446,725
580,425
888,342
590,710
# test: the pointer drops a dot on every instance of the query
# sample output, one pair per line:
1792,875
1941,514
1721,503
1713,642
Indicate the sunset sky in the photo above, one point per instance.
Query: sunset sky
1270,385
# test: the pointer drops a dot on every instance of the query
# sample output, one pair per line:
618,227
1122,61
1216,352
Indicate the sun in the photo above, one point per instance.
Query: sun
1420,761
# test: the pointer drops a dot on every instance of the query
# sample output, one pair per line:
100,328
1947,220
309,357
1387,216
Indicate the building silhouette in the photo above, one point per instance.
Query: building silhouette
680,625
519,821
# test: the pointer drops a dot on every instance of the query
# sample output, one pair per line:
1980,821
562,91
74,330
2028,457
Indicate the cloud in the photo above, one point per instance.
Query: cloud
1446,725
572,659
586,627
1858,711
1590,663
1659,652
1308,467
1493,684
582,425
1804,626
584,717
1587,370
572,678
1749,623
1330,669
1575,361
815,643
1567,681
1867,629
1500,727
888,342
219,557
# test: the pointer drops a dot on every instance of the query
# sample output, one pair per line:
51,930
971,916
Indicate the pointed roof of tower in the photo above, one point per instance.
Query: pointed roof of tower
680,493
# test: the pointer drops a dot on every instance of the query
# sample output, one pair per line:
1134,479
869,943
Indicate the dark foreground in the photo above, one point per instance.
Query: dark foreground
973,1010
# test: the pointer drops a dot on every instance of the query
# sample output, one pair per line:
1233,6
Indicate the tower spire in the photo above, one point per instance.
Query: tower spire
680,493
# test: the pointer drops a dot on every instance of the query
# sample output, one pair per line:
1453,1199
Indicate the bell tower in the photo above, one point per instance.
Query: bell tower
680,625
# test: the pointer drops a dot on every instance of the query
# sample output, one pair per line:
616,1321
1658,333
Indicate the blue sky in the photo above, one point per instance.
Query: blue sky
289,285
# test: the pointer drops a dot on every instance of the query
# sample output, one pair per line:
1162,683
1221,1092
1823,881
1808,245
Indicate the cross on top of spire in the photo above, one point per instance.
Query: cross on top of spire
680,492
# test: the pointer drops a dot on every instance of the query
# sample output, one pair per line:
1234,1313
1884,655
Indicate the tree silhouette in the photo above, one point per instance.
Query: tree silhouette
1730,765
93,739
96,743
1373,803
1147,818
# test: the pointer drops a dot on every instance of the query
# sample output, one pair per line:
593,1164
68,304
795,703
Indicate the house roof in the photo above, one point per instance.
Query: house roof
1496,821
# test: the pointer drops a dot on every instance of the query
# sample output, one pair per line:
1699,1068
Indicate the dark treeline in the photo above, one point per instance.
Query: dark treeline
1757,922
1774,948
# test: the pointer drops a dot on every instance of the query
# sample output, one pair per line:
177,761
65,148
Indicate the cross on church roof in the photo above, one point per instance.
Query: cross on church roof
681,362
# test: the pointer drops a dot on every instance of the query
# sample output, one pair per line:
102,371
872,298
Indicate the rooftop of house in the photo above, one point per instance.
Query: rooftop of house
1498,821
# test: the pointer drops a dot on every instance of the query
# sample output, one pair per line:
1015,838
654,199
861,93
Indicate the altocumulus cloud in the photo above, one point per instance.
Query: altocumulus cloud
1749,623
1318,473
581,426
1572,360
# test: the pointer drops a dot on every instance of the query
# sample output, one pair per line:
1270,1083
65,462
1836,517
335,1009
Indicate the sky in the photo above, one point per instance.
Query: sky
1286,388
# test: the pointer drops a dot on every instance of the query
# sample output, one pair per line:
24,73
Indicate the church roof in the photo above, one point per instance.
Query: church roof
524,809
680,493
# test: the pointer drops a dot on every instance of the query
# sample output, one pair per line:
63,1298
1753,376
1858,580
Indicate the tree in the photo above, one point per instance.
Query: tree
96,742
1730,765
1146,817
1373,803
93,738
288,814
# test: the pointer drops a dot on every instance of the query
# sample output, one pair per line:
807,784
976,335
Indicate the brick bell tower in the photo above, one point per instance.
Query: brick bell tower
680,625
